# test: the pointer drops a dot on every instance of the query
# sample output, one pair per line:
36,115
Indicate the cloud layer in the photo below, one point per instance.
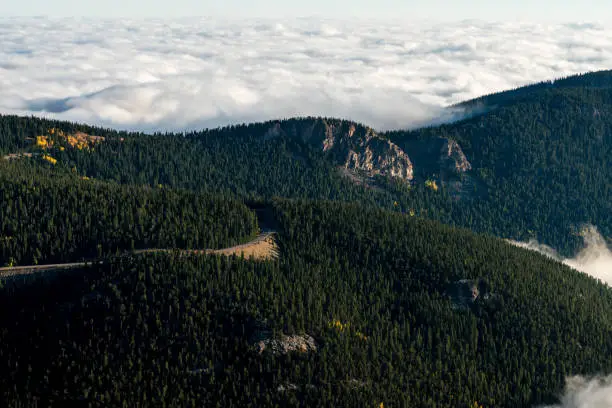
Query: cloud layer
594,259
185,74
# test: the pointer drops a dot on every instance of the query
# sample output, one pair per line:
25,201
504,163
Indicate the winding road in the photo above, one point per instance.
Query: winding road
261,247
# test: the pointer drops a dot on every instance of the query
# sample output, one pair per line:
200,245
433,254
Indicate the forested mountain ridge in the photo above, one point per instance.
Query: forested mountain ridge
347,144
372,302
374,292
61,219
543,161
590,80
533,165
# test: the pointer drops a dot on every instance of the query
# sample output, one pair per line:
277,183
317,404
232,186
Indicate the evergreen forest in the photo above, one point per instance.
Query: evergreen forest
380,291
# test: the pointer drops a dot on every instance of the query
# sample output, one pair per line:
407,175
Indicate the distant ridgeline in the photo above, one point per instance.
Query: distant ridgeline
592,80
533,164
365,308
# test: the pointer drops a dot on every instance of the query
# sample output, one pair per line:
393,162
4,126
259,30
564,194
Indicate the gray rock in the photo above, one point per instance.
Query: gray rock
464,291
351,146
452,157
286,387
287,344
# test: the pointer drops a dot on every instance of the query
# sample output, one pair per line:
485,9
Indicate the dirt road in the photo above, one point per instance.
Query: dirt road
261,247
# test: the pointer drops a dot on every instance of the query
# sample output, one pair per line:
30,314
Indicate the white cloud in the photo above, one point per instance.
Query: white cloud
595,259
184,74
581,392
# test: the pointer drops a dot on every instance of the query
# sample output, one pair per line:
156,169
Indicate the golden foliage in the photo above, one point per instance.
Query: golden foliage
44,142
432,184
338,325
361,336
49,159
78,140
345,327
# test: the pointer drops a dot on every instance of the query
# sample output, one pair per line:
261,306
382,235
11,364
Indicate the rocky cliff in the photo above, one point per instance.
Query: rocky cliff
439,156
361,150
350,145
452,157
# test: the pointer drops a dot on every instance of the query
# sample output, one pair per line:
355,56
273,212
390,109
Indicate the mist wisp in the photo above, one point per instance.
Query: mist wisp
595,259
585,392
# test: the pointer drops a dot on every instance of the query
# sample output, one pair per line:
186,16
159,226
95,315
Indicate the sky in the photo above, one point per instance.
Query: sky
445,10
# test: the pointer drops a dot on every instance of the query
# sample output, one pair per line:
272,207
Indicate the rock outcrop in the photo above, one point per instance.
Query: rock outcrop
352,146
287,387
452,157
465,293
380,157
287,344
437,155
363,152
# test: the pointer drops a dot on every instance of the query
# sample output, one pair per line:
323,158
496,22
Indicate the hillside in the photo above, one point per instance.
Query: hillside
591,80
363,307
532,166
387,284
541,156
46,219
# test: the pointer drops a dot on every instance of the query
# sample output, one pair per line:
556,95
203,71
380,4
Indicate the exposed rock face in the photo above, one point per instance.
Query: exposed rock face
274,132
354,383
350,145
467,292
452,157
380,157
287,344
287,387
365,153
436,155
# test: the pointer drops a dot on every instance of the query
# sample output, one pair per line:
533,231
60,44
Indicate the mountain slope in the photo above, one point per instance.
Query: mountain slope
51,219
543,161
363,306
370,295
590,80
534,166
